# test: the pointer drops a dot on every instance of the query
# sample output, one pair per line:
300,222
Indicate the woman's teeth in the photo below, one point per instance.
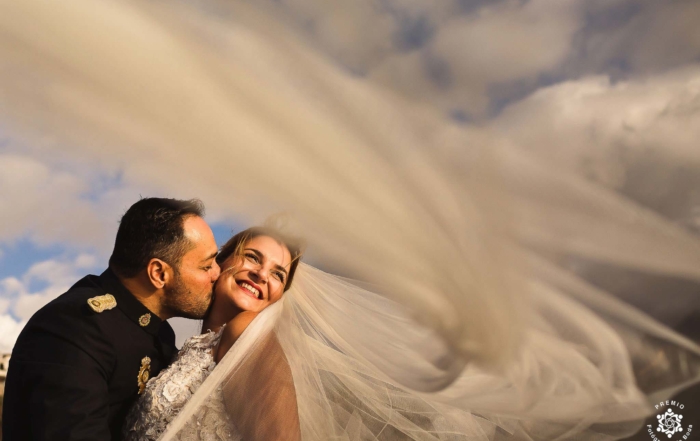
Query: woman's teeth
251,289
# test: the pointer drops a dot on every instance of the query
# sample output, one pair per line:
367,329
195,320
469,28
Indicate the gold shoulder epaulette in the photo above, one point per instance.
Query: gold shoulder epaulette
102,303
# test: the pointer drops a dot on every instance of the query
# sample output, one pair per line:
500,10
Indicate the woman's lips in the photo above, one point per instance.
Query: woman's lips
250,289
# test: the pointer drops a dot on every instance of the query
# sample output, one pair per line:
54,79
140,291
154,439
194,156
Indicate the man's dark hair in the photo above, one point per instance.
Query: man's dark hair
152,228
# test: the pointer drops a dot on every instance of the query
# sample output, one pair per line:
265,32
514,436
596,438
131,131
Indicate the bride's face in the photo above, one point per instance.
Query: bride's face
256,279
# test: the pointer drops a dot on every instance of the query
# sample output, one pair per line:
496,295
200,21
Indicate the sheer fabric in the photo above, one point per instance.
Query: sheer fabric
581,371
480,330
260,398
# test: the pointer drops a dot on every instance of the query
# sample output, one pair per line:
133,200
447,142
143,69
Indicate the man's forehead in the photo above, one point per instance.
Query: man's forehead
198,232
196,229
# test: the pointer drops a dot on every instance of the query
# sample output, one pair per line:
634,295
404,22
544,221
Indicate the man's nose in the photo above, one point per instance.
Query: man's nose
216,271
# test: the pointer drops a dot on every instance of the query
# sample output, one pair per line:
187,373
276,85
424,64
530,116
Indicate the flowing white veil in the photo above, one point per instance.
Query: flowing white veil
468,324
357,360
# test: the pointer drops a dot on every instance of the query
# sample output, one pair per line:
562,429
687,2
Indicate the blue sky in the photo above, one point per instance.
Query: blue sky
603,78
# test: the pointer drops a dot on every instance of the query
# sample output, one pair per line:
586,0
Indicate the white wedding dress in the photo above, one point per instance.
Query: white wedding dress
166,395
488,308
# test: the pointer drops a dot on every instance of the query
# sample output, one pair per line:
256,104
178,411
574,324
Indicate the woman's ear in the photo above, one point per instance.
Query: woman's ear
159,273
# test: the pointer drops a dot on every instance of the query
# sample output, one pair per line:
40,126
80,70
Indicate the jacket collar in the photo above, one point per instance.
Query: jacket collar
129,304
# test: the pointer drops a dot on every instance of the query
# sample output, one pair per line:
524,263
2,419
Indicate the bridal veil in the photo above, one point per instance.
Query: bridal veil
482,311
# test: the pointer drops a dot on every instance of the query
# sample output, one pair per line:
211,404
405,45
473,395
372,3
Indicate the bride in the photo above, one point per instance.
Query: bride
480,315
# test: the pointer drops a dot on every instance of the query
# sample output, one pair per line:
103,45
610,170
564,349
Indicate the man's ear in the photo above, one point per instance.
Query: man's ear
159,272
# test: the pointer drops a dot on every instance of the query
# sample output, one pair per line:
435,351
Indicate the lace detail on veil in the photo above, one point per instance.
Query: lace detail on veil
166,395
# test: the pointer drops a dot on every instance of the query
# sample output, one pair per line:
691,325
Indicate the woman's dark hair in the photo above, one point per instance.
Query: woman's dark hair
152,228
294,244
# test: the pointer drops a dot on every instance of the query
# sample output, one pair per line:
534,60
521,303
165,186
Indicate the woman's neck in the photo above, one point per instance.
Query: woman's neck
221,312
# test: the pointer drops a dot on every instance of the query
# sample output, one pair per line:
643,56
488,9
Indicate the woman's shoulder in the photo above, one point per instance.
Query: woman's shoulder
232,331
239,323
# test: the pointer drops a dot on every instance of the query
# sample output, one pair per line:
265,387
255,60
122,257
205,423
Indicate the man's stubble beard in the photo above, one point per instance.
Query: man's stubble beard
180,301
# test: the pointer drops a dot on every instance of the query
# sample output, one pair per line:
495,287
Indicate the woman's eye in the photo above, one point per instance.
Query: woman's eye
207,268
253,257
280,276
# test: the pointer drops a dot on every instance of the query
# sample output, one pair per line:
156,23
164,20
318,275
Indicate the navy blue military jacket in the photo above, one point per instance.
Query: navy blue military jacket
74,372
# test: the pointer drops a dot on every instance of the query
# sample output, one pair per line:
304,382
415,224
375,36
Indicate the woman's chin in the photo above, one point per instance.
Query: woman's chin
246,302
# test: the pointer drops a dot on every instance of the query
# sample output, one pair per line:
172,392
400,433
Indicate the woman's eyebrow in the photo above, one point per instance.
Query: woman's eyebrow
259,254
281,268
255,251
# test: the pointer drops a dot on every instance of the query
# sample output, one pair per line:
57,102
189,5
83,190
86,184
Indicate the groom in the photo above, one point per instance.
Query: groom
82,360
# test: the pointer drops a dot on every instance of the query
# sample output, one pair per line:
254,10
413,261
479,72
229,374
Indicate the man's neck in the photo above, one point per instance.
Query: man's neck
145,293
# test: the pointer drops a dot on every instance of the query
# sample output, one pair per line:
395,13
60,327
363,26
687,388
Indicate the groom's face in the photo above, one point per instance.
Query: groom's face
190,292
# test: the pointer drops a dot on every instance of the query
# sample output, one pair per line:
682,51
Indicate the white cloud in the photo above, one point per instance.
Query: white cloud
638,136
55,276
44,203
463,58
668,34
20,297
53,203
499,43
362,33
11,287
594,125
9,331
357,33
655,37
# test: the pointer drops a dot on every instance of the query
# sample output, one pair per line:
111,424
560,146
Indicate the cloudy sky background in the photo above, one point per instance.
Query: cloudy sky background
614,80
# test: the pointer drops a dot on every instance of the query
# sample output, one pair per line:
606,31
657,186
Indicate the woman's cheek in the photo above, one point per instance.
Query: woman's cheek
232,290
224,288
276,294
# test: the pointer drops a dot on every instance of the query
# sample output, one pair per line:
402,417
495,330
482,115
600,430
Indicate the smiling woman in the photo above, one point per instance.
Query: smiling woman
258,265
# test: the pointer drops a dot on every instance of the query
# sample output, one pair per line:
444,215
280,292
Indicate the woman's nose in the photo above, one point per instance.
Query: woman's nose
260,273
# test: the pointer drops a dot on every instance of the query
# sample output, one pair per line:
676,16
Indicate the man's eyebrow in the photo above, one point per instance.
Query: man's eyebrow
211,256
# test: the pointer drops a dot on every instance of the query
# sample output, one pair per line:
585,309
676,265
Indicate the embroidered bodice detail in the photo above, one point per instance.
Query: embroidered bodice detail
166,395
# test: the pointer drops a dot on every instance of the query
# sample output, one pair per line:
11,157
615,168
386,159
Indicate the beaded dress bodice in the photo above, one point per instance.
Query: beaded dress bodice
168,393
